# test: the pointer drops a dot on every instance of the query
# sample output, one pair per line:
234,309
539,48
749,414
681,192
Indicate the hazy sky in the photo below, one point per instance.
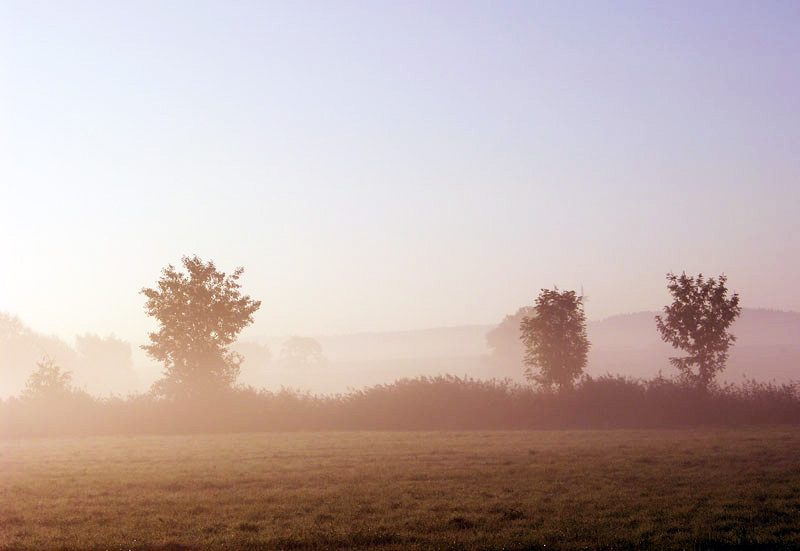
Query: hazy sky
394,165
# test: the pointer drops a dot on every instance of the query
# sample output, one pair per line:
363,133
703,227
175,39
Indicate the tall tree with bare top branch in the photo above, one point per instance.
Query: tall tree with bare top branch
697,322
556,344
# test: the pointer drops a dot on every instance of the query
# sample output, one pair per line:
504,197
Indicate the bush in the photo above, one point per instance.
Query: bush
424,403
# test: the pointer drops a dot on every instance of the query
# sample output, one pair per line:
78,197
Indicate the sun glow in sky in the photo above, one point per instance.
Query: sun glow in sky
380,166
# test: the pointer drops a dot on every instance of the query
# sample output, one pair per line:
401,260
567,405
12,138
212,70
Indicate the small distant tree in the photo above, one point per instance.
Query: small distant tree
504,340
697,322
556,345
201,312
302,352
48,382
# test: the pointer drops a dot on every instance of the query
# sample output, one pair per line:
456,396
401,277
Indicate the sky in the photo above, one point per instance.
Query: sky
385,166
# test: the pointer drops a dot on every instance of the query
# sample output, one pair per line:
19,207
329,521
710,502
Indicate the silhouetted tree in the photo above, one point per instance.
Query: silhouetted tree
697,322
21,346
48,382
200,313
556,345
302,352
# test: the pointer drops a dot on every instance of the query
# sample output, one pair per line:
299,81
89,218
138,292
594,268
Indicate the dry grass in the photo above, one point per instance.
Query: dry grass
693,489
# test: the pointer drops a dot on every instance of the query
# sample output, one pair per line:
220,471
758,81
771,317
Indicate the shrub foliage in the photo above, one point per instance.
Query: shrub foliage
423,403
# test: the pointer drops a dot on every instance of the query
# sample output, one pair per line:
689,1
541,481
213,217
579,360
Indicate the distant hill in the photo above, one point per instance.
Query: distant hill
441,342
360,359
768,348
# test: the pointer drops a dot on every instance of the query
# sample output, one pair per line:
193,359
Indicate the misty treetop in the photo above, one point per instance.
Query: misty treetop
49,382
201,312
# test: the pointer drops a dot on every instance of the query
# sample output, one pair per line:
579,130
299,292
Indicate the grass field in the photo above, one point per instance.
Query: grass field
692,489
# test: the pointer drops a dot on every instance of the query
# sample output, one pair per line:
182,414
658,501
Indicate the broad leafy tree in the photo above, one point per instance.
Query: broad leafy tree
697,322
201,312
556,345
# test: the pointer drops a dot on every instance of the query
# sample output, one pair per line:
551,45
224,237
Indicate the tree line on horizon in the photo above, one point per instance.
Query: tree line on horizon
104,365
201,312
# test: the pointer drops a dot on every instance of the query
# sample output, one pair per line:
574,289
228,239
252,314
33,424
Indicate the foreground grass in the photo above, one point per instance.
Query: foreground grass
694,489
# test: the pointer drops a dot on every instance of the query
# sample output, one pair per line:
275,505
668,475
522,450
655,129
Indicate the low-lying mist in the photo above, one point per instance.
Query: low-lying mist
767,349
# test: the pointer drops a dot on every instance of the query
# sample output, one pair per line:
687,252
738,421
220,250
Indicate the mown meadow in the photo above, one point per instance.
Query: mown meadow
701,488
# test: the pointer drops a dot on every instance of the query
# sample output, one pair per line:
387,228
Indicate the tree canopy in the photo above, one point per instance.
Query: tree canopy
556,345
48,382
201,312
697,322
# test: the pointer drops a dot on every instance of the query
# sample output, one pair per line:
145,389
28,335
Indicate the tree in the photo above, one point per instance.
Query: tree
697,322
201,312
48,382
556,345
302,352
20,345
504,340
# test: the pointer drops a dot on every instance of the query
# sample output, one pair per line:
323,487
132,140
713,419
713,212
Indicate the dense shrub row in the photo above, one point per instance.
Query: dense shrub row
424,403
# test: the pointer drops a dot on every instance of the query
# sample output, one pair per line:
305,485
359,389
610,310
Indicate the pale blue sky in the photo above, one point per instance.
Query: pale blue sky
379,166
